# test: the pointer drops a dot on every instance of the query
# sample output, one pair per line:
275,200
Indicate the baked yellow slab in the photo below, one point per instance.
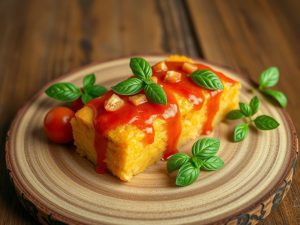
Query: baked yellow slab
127,154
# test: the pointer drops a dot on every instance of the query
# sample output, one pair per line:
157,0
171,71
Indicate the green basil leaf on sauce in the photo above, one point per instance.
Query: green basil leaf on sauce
141,68
155,93
130,86
207,79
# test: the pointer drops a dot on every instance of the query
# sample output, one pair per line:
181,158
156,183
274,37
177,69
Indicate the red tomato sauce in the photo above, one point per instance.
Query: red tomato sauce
143,115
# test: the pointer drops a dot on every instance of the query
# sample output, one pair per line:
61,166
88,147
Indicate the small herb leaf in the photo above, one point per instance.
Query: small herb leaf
254,105
64,91
187,174
265,122
155,93
176,161
234,115
86,98
130,86
213,163
141,68
207,79
206,147
88,81
97,91
269,78
245,109
197,161
240,132
278,96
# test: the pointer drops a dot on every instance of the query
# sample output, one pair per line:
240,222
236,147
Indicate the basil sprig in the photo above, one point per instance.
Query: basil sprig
270,78
141,81
203,157
68,92
247,111
207,79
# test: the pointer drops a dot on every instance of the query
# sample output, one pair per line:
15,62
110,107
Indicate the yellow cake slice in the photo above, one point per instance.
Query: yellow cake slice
127,153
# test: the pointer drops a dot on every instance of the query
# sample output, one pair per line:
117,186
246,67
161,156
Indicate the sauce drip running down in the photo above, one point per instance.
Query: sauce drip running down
143,115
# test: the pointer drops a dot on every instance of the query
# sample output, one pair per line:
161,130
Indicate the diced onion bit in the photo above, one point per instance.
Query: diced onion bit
162,66
138,99
189,68
113,103
154,79
170,112
173,76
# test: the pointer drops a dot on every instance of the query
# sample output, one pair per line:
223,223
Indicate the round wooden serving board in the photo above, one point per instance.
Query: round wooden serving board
58,186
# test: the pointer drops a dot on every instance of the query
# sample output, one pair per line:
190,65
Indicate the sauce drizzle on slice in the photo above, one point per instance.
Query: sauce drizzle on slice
142,116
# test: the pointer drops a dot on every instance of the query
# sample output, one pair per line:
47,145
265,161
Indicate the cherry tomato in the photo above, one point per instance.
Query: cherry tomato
77,104
57,125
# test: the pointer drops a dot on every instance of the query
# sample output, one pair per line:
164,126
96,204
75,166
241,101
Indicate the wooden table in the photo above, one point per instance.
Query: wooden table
43,39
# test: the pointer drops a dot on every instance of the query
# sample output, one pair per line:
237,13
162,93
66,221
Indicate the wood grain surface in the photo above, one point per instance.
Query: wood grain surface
43,39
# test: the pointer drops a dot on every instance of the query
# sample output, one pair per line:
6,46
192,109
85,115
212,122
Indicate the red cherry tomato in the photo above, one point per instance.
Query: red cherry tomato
77,104
57,125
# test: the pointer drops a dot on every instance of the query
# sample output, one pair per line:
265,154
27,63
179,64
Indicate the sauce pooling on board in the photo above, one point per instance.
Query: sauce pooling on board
143,115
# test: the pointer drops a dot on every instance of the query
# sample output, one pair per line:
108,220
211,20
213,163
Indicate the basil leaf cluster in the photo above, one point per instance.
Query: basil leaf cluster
203,157
246,111
68,92
270,78
141,81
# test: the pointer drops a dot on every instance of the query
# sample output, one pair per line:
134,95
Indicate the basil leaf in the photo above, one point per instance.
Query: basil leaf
64,91
130,86
86,98
240,132
234,115
155,93
213,163
254,105
187,175
206,147
88,81
197,161
278,96
176,161
265,122
269,78
207,79
245,109
97,91
141,68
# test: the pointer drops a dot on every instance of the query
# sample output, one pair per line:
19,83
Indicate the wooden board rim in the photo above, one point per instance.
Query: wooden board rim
22,191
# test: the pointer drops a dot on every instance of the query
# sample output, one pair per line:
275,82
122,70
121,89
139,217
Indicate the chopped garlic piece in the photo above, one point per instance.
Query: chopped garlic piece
189,68
154,79
113,103
138,99
194,100
170,112
173,76
160,67
151,119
